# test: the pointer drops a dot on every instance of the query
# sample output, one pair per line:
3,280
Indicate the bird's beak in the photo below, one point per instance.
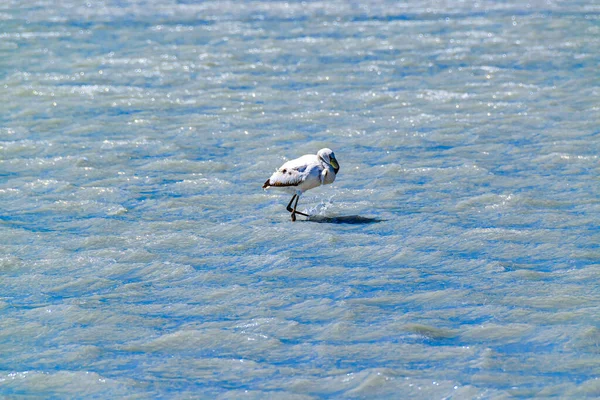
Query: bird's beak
334,163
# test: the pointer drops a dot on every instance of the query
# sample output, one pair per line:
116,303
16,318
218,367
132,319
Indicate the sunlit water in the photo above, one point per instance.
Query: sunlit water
457,254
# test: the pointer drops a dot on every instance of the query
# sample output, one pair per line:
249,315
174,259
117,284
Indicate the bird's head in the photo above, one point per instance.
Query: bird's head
329,158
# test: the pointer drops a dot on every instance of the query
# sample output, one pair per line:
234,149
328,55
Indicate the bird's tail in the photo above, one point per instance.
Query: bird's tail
267,184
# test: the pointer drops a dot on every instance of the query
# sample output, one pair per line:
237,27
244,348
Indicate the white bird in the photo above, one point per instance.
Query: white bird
304,173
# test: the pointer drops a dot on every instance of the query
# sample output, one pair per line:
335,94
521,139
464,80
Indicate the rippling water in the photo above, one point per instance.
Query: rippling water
456,255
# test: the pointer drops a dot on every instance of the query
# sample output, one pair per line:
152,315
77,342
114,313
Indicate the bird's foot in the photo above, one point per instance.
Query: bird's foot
293,217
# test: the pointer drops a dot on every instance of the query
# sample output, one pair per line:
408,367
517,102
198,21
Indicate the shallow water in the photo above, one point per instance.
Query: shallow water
455,256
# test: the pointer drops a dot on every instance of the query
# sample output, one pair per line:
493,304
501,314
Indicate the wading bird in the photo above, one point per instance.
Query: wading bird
302,174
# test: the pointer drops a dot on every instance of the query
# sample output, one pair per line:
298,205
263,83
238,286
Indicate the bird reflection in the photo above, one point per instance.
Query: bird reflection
344,219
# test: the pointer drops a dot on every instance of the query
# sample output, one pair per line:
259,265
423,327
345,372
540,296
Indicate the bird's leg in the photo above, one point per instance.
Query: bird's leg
294,212
289,206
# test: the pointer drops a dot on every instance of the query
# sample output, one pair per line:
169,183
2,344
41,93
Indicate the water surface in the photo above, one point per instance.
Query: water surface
455,256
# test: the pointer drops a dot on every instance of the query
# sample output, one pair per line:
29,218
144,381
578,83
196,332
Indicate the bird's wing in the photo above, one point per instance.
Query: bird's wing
292,173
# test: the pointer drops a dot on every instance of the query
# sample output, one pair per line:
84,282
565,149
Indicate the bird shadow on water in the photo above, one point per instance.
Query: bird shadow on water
343,219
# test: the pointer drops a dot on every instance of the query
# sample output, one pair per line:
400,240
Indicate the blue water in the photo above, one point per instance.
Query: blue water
455,256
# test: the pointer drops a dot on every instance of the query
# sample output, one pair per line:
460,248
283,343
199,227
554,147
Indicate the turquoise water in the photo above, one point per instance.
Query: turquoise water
455,256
